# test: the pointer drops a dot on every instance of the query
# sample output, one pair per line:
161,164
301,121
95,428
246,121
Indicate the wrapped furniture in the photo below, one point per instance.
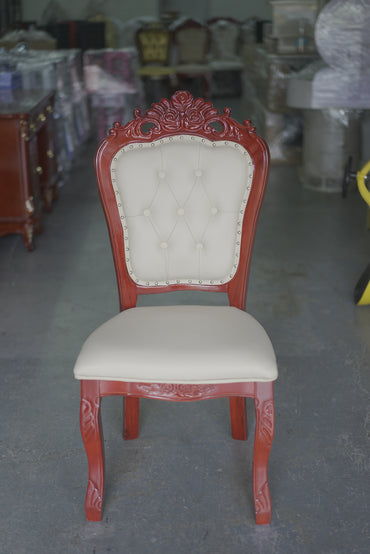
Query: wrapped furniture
113,86
333,93
265,83
225,56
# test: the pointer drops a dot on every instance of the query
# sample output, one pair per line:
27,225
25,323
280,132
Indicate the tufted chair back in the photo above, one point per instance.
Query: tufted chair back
179,195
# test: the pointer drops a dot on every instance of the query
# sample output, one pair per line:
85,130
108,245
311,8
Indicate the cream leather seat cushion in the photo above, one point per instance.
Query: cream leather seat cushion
178,344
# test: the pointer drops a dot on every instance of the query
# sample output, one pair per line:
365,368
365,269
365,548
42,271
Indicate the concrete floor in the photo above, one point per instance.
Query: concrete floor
185,486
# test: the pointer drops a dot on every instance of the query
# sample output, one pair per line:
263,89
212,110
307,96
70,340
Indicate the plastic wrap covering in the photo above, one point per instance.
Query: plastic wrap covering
342,35
282,131
293,26
10,78
267,75
330,137
59,70
114,87
342,80
35,39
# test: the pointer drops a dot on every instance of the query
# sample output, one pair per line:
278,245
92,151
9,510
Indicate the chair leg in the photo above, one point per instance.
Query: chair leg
264,407
238,417
92,436
131,417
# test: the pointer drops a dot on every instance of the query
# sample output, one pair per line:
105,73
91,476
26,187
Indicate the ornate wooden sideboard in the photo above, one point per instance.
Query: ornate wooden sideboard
28,168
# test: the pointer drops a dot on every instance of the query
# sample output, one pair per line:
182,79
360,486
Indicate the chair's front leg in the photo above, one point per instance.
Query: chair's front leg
264,406
92,436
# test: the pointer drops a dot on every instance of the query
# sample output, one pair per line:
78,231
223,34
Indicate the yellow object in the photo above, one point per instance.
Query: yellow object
362,289
365,193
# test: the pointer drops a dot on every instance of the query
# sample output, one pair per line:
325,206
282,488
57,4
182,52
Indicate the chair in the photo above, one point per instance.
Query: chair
226,62
181,187
192,42
153,42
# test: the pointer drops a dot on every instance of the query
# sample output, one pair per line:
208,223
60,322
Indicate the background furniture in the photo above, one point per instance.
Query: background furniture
225,59
153,42
191,40
181,199
28,172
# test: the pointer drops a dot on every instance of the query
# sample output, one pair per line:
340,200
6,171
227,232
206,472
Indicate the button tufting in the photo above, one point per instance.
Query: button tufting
161,174
214,211
199,245
181,211
146,212
164,245
198,172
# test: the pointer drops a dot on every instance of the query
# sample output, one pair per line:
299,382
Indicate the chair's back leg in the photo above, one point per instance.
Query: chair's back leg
92,436
238,418
131,417
264,406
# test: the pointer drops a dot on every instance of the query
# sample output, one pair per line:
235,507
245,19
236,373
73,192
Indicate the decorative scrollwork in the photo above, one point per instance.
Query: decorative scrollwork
88,419
93,497
267,422
183,113
173,390
262,501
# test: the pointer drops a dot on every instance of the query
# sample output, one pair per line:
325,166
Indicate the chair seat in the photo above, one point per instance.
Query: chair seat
192,68
156,70
178,344
226,65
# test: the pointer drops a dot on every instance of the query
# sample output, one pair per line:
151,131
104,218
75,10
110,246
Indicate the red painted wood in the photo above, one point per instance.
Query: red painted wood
264,433
131,417
175,392
92,436
238,418
28,175
182,114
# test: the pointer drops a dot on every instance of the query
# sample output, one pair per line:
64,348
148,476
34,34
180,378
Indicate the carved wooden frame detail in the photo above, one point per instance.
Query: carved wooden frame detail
182,114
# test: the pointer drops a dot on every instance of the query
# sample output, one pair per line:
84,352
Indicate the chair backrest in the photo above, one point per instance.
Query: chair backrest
225,38
181,187
192,40
153,44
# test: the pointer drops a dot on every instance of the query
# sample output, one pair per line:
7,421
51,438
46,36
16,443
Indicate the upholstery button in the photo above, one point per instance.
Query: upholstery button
181,211
146,212
161,174
199,245
164,245
198,172
214,211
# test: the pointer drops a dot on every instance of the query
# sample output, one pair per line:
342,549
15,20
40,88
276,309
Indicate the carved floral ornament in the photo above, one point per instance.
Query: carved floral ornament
183,113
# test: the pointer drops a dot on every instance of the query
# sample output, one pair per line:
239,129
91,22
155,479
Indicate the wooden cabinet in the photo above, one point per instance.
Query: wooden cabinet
28,168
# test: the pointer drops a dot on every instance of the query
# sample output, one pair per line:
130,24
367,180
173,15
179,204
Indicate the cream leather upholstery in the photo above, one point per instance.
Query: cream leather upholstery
181,224
178,344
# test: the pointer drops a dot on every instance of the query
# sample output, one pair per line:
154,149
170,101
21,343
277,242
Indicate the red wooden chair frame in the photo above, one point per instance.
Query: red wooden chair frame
181,115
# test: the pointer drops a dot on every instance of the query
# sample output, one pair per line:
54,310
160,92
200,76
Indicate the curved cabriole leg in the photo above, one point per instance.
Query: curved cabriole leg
238,418
92,436
131,417
264,406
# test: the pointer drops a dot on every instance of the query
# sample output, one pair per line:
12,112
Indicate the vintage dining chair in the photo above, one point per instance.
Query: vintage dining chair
191,41
181,187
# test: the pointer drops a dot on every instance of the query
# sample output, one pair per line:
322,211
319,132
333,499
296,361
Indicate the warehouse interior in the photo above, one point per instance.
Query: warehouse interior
299,70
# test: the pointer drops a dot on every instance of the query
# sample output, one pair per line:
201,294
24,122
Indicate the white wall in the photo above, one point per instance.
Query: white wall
126,9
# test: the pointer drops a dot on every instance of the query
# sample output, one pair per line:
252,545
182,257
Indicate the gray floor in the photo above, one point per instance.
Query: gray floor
185,486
